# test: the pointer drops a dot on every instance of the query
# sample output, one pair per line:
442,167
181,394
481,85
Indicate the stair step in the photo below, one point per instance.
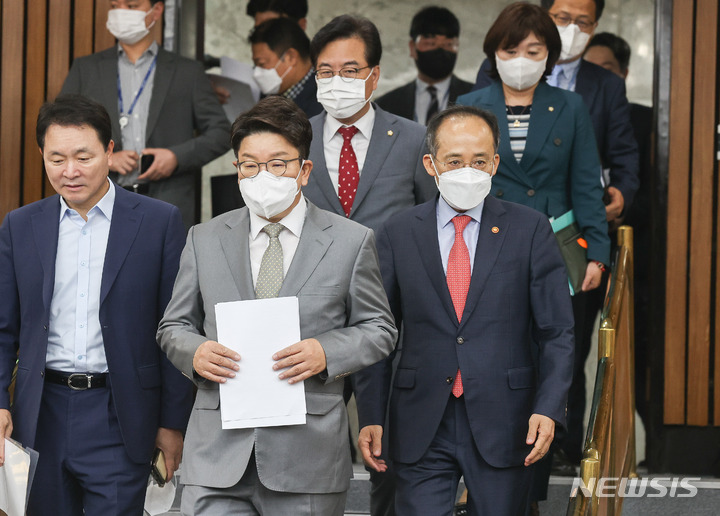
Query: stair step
704,503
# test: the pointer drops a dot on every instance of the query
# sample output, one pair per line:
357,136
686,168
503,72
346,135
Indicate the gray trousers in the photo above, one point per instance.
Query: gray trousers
249,497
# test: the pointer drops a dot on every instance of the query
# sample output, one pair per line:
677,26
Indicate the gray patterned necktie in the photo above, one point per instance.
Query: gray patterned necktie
270,277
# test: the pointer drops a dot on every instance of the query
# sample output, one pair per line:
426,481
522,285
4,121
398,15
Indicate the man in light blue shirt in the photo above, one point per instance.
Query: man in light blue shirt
85,277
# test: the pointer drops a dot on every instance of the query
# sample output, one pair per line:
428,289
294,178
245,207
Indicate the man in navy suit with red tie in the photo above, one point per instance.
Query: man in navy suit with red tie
481,289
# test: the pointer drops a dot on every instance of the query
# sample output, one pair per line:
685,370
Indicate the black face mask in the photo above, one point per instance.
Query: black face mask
436,64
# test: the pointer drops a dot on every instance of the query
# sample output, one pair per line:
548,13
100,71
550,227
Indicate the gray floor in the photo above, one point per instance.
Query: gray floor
706,501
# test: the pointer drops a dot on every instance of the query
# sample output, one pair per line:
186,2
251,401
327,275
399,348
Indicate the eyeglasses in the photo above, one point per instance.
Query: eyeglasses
480,164
563,20
347,74
426,42
276,167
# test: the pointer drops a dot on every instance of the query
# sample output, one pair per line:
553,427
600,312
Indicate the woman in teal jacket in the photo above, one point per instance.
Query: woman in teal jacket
548,155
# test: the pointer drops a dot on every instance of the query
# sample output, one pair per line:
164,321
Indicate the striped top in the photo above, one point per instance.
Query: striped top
518,118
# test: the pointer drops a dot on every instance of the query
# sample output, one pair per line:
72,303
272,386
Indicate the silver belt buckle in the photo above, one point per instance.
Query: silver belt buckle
88,377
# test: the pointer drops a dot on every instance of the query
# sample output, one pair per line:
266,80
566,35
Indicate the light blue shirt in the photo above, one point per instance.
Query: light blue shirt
131,79
446,230
565,75
75,342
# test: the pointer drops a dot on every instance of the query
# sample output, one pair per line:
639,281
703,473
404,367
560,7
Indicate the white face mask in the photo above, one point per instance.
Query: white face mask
573,41
267,195
128,25
520,72
342,99
464,188
268,79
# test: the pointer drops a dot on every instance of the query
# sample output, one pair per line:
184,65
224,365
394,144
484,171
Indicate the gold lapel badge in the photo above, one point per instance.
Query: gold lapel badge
551,109
390,133
495,229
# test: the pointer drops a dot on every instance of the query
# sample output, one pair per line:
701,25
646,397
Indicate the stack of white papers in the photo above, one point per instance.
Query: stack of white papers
257,329
237,78
16,478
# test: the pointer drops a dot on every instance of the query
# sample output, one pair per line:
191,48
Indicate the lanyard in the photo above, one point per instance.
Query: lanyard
123,116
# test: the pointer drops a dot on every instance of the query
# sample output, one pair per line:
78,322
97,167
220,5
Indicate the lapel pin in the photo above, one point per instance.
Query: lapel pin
551,109
495,229
390,133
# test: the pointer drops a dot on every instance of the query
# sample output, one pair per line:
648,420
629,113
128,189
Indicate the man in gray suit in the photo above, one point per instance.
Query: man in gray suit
279,245
385,174
161,105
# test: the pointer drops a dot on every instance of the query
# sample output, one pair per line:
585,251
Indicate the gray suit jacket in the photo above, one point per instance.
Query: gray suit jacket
392,179
184,116
335,274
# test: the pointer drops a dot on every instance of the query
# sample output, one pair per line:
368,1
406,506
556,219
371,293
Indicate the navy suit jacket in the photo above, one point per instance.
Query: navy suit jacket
514,344
560,169
143,252
401,101
393,177
604,95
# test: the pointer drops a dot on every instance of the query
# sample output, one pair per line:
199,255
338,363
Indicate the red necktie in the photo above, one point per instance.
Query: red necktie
348,175
458,280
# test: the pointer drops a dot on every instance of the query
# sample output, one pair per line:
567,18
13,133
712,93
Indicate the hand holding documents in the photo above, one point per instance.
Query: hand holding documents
301,360
237,79
16,478
256,396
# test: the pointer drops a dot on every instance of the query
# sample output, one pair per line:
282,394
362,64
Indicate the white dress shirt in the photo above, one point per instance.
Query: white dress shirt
289,237
446,230
423,98
333,142
75,342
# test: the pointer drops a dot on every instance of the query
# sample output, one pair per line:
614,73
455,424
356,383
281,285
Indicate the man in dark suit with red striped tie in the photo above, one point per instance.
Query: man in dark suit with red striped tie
481,290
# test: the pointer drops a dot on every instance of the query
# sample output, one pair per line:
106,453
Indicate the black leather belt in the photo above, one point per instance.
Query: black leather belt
141,188
76,381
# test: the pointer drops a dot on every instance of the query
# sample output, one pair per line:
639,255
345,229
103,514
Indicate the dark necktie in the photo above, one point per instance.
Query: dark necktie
434,106
348,174
458,280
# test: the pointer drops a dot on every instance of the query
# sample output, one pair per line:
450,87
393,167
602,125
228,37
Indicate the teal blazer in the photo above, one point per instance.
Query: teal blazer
560,168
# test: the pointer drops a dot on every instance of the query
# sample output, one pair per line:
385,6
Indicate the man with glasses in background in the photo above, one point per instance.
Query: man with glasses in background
434,34
367,163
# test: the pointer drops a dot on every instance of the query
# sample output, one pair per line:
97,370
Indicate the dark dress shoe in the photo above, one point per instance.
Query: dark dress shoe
534,509
562,466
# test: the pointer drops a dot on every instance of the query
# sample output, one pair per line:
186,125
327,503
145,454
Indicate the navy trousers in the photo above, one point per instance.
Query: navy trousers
83,467
429,486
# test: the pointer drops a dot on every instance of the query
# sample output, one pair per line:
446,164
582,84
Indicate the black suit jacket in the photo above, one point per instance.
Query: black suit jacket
401,101
604,95
307,99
